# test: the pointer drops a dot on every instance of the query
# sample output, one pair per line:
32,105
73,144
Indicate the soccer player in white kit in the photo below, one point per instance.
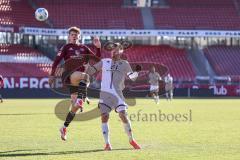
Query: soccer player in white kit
169,87
1,86
154,79
114,71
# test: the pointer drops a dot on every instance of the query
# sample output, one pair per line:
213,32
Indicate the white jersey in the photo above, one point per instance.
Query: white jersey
113,78
154,78
106,74
168,83
114,74
168,79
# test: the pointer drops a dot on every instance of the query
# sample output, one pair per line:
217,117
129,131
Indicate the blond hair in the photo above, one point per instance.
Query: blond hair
74,29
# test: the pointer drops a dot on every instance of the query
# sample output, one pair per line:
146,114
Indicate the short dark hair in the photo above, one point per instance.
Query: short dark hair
74,29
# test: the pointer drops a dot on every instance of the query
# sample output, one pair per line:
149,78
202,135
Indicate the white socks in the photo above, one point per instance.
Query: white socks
167,96
156,99
105,131
128,130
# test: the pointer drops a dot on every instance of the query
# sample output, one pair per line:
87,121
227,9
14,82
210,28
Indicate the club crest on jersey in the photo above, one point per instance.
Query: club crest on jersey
77,53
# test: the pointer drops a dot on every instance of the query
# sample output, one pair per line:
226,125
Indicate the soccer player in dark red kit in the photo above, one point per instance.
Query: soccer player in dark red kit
1,86
75,77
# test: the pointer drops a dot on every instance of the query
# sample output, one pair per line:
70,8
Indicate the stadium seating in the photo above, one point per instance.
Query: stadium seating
17,49
18,60
24,69
192,14
175,59
92,14
224,59
18,13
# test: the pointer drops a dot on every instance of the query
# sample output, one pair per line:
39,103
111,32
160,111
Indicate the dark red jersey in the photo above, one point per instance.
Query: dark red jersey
1,82
70,51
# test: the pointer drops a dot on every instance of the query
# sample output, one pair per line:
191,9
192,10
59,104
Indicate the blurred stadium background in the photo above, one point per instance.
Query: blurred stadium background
199,41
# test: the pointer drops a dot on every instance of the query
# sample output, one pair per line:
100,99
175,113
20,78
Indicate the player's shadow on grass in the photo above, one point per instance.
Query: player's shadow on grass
54,153
25,114
20,150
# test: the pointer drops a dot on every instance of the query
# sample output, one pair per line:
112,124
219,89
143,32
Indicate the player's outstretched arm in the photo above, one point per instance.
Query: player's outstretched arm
133,74
97,44
91,70
57,60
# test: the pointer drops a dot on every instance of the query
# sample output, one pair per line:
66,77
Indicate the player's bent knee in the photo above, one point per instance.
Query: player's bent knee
123,116
73,91
74,109
86,77
77,76
105,117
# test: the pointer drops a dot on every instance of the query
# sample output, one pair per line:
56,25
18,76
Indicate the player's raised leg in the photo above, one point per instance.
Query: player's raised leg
78,90
128,129
80,80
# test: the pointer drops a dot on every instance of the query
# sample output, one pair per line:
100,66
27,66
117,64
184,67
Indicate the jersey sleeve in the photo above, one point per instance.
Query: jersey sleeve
59,57
1,83
129,72
159,77
98,52
149,77
94,68
128,68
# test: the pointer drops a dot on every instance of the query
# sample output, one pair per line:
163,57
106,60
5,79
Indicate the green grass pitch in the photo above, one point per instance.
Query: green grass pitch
29,131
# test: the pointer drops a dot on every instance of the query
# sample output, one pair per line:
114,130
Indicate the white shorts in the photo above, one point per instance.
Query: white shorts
154,88
109,101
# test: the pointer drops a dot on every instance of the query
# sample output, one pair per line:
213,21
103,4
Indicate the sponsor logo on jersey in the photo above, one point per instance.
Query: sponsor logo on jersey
59,53
77,53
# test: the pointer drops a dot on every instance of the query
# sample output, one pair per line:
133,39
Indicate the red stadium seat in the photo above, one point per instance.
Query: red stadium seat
224,59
